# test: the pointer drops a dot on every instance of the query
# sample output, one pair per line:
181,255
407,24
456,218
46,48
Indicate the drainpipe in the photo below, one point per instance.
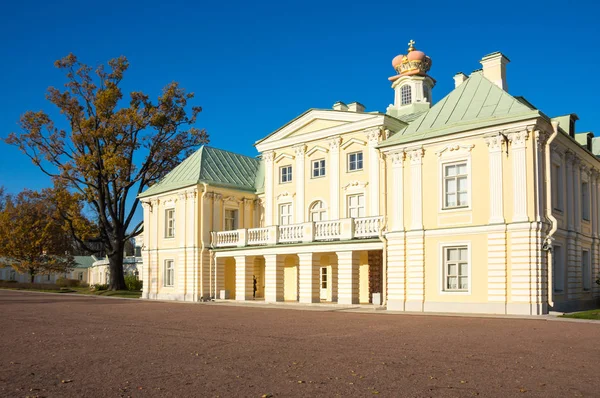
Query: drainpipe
549,239
205,188
381,236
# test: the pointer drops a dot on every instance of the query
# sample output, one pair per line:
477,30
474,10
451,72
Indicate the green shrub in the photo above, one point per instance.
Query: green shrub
101,286
84,284
35,286
64,282
133,283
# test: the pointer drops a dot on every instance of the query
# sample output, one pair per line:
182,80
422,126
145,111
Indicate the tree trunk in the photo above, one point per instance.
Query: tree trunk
117,278
32,276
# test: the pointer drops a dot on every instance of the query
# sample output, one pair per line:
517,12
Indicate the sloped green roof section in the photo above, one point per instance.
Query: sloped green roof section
474,104
211,166
84,261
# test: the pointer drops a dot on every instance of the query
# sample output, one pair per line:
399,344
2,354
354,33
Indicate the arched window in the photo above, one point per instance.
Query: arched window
405,94
318,211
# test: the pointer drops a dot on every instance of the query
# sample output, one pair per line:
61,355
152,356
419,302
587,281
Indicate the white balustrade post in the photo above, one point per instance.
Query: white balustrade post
242,238
346,228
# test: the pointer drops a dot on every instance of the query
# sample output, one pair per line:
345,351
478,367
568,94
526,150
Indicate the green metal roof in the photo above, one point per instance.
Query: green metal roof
211,166
84,261
476,103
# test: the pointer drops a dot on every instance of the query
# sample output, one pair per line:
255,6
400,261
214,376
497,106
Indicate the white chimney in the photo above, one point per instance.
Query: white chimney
340,106
494,69
356,107
459,79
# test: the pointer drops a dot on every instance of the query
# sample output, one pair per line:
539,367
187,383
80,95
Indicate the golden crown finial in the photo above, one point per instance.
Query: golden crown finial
411,45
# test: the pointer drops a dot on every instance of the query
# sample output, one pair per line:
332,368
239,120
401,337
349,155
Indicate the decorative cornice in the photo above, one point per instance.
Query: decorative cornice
315,149
353,141
355,184
233,199
283,156
284,195
455,147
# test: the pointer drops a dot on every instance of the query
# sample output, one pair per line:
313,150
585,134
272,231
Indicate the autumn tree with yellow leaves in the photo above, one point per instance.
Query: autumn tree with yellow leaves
111,148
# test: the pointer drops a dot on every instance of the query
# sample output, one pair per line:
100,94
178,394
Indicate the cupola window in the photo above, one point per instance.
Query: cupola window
405,94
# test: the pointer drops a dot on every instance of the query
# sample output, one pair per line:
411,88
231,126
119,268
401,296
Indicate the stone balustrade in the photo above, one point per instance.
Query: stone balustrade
331,230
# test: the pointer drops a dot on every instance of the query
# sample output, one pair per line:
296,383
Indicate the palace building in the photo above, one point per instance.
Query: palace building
479,203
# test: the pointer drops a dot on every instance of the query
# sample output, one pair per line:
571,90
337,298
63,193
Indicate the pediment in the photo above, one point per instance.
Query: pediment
311,123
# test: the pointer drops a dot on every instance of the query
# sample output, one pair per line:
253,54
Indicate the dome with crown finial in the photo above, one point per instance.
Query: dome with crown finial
413,63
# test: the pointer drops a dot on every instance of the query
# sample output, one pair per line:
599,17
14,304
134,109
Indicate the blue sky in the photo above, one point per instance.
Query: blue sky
254,66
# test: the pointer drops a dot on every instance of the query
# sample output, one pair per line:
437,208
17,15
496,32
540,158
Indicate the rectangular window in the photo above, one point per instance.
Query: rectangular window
169,273
170,223
324,278
557,187
586,272
285,214
231,219
355,161
356,206
285,174
455,185
558,269
80,276
456,269
585,201
318,169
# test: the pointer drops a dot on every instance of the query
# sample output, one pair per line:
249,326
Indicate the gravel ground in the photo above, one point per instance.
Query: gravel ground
75,346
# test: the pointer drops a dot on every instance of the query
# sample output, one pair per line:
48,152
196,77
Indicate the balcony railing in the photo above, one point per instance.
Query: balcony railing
342,229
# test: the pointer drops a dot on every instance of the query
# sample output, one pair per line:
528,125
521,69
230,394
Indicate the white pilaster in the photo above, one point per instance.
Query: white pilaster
518,146
334,193
416,194
569,198
494,143
180,236
148,226
374,169
348,266
269,181
244,266
396,271
154,265
415,270
577,193
219,276
300,206
309,278
217,212
274,277
397,190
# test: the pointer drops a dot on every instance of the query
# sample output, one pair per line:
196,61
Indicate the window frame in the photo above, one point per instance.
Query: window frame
443,269
167,227
166,270
447,161
322,210
586,270
290,215
235,218
349,169
364,207
407,95
557,186
321,166
289,174
555,259
585,204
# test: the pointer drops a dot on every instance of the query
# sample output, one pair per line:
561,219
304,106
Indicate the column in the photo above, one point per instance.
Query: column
416,177
374,169
244,267
309,278
217,215
577,193
397,196
180,236
518,145
154,265
273,277
334,167
569,201
299,176
269,180
348,266
494,143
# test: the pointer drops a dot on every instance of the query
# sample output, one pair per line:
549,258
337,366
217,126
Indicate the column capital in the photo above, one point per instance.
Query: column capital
518,138
268,156
373,135
494,141
334,143
397,157
181,196
415,155
541,137
300,150
247,202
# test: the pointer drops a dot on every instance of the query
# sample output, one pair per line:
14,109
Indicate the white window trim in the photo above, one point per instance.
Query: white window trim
325,209
444,160
442,272
312,168
354,193
348,161
350,190
559,171
279,204
289,181
237,220
165,273
174,223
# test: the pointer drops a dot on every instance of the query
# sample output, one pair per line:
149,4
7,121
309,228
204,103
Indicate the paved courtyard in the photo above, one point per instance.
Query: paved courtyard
61,346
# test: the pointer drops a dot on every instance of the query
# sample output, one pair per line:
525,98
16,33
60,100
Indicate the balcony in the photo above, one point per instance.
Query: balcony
317,231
